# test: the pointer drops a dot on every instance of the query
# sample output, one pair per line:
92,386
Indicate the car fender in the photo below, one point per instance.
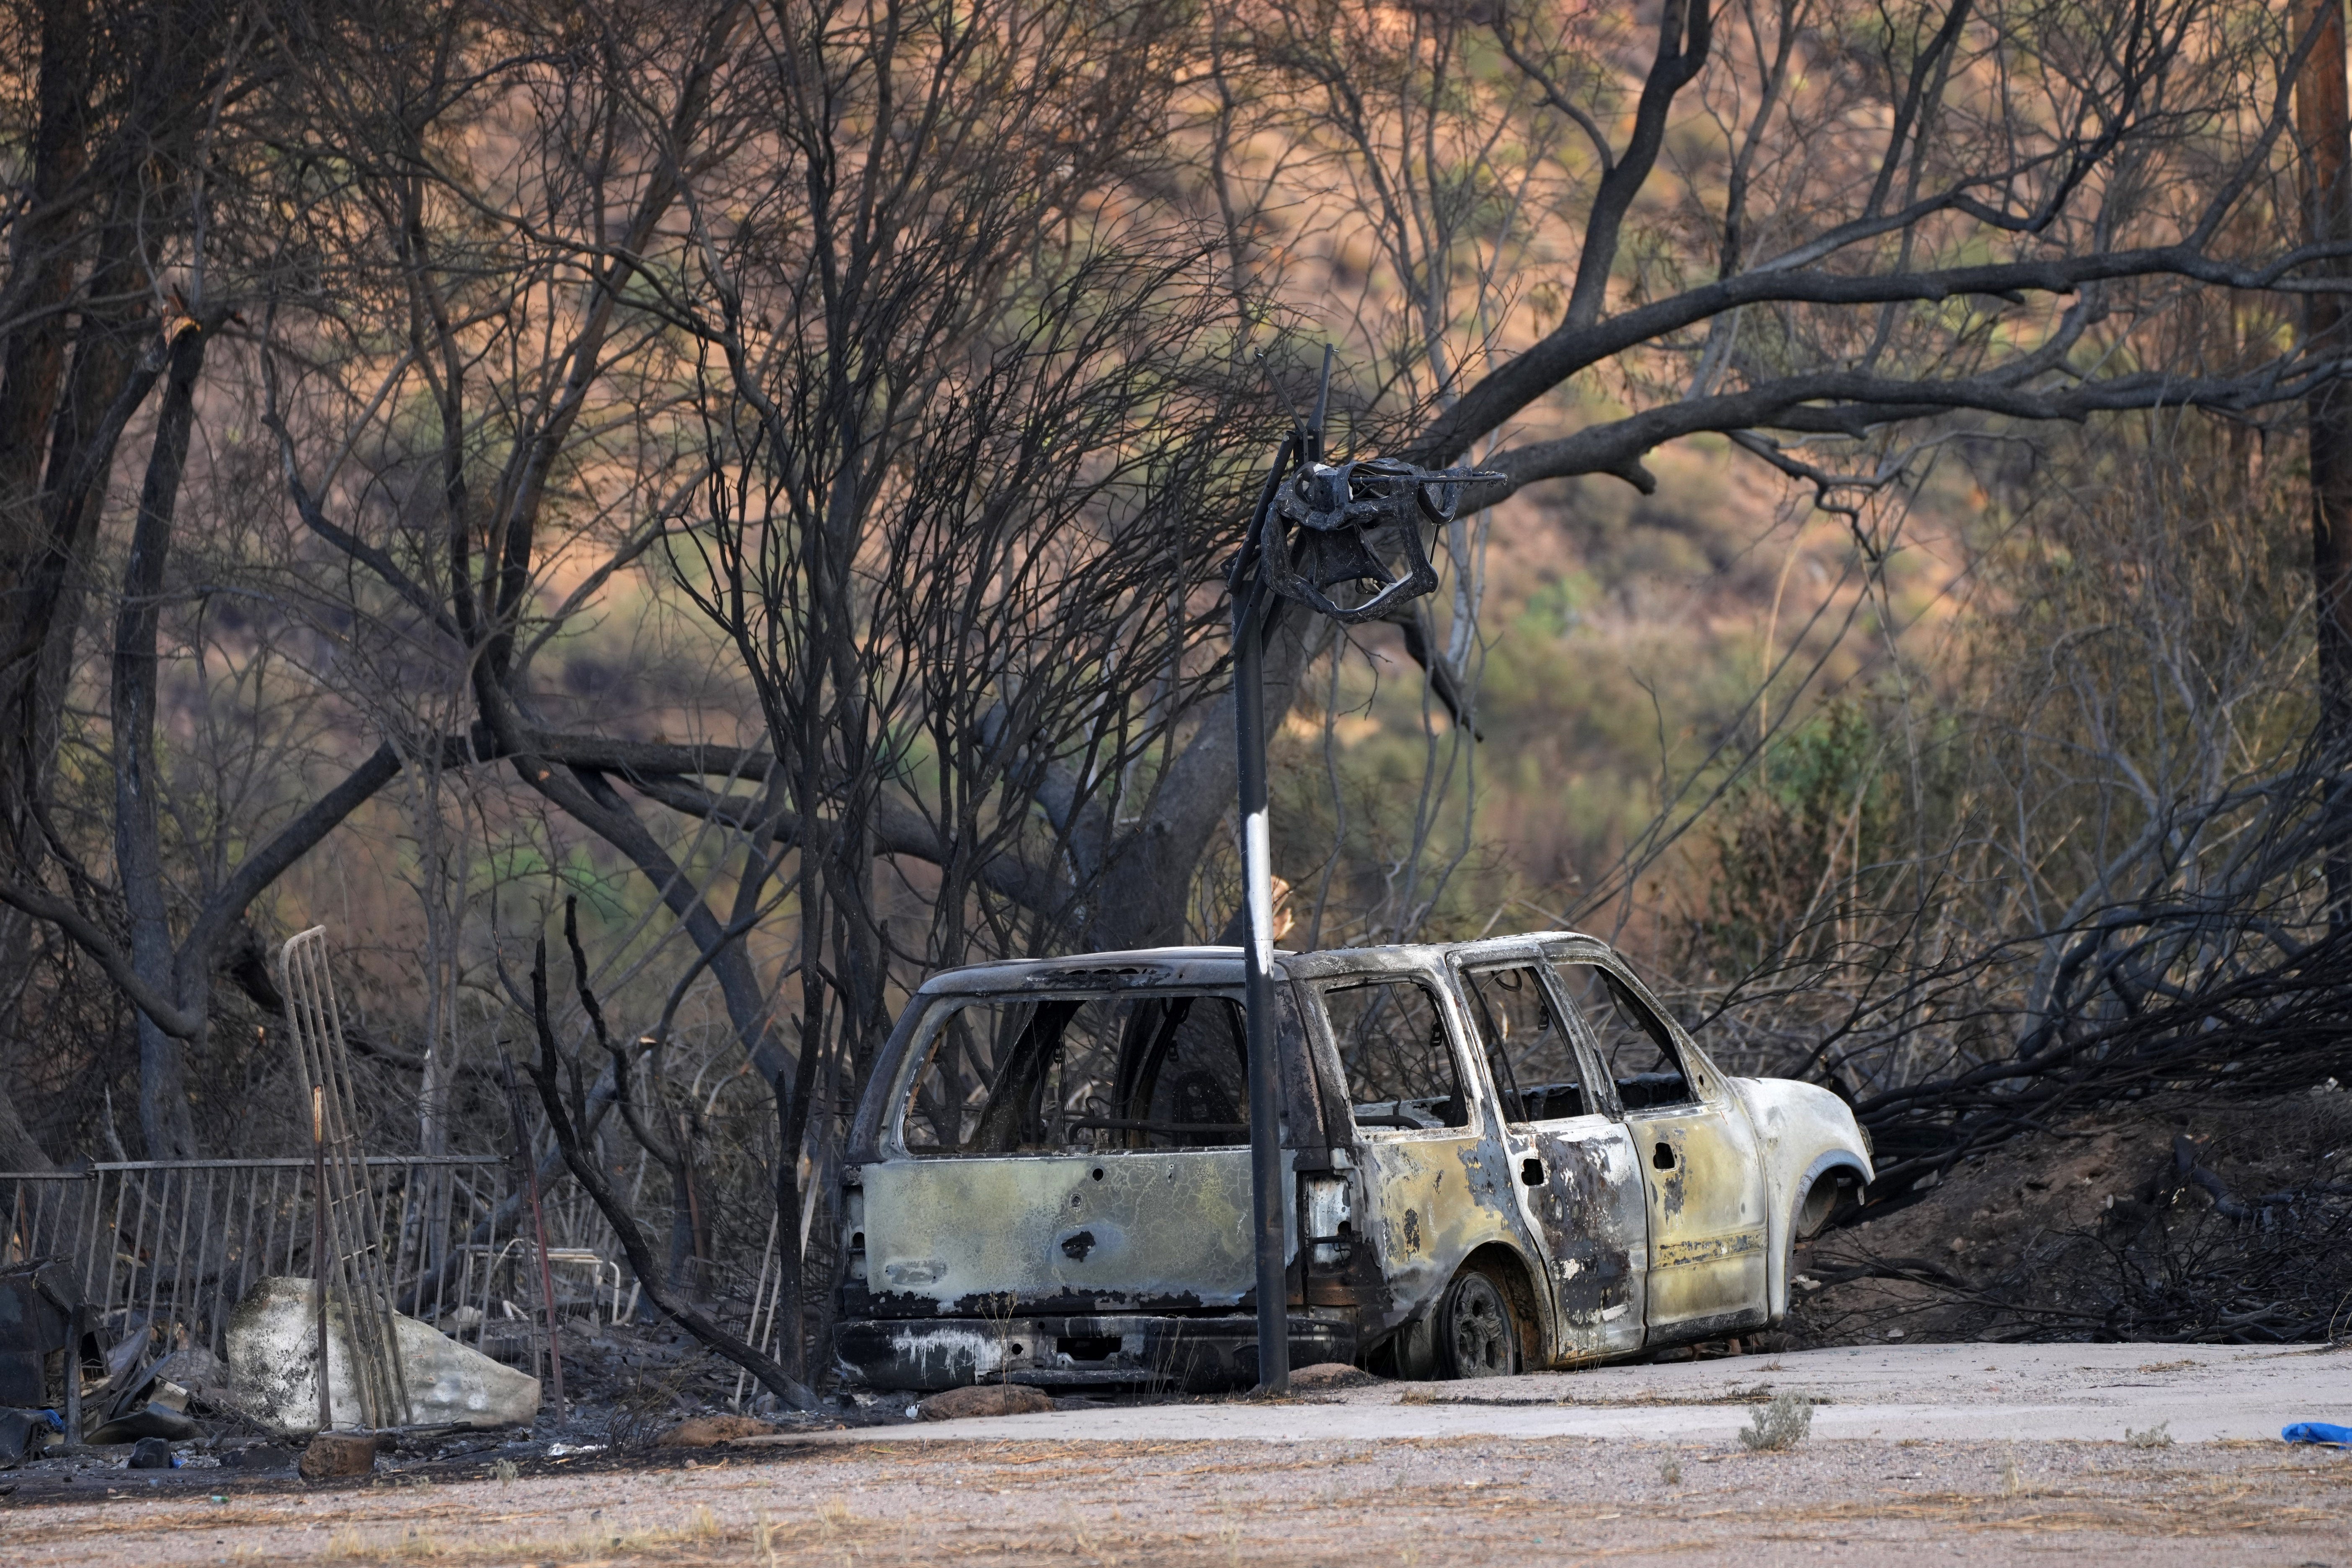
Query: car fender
1803,1134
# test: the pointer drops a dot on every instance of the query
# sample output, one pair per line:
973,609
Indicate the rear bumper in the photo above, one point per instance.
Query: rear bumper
1203,1354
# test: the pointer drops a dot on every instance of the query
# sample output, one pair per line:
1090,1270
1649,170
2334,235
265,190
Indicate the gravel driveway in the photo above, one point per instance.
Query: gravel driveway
1976,1453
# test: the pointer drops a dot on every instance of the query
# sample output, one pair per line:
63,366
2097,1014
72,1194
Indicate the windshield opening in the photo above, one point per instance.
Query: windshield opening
1088,1074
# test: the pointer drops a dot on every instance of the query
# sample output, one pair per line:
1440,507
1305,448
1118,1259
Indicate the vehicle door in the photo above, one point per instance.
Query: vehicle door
1579,1183
1433,1180
1696,1151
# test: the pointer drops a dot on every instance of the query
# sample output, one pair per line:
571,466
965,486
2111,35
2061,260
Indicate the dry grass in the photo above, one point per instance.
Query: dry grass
700,1529
1435,1501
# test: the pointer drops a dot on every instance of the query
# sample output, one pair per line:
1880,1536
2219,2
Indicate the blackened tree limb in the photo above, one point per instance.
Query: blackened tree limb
83,469
163,1115
153,1001
897,828
1533,69
672,1157
215,925
1684,33
670,1303
314,518
1910,112
1849,404
1572,347
524,486
587,795
258,870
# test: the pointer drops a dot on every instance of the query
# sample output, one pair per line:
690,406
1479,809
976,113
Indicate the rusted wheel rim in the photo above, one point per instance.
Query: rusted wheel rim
1479,1329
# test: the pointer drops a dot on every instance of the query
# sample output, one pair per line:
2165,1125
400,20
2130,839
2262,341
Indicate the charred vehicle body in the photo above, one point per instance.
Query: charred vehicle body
1502,1155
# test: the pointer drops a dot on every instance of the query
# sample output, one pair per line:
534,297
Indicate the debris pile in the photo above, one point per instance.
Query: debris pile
273,1358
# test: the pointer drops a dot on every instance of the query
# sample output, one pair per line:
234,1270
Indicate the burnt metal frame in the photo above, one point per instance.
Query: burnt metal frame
183,1240
347,1256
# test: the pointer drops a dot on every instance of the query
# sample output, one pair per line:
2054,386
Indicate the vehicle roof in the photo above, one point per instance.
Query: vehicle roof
1202,966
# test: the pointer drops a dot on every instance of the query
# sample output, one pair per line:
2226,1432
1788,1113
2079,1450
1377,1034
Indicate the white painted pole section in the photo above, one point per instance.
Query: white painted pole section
1257,858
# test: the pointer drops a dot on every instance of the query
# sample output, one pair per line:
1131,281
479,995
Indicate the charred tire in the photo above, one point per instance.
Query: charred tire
1477,1333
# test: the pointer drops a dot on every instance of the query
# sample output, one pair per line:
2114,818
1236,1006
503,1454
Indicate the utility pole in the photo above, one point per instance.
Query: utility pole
1316,526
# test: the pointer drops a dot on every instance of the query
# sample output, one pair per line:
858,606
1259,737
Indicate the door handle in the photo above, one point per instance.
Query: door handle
1662,1156
1531,1172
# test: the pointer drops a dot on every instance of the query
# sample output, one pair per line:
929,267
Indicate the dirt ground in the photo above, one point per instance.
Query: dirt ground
1466,1500
1931,1439
1666,1481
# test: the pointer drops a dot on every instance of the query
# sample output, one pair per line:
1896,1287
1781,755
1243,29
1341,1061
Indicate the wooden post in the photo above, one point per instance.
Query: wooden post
319,1242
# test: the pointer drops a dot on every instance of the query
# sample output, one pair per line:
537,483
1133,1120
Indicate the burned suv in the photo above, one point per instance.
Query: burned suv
1502,1155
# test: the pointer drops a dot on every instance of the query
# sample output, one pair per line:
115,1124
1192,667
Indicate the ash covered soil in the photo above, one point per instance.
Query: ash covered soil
2183,1219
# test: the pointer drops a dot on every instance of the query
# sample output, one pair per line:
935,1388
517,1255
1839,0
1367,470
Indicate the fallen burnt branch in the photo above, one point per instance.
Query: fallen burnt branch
2219,976
2184,1158
1914,1268
2284,1026
2175,1269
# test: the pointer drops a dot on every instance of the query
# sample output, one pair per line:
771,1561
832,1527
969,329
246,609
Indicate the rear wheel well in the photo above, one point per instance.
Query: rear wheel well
1508,1270
1409,1351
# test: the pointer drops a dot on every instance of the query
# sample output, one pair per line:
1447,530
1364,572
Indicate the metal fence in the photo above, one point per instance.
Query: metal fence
174,1245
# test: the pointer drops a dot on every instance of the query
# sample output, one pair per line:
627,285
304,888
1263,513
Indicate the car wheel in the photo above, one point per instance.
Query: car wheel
1477,1334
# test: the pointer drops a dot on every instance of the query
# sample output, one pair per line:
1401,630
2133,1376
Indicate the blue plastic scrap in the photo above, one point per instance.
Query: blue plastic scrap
2318,1431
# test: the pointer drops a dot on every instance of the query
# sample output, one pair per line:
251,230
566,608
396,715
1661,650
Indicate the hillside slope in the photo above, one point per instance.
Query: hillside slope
2204,1220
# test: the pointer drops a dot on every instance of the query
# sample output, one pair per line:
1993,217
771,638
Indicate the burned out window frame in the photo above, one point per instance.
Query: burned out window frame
1698,1068
1483,1115
923,1041
1599,1089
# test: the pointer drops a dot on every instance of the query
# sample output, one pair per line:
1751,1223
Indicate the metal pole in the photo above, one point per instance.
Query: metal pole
319,1242
538,1228
1268,1199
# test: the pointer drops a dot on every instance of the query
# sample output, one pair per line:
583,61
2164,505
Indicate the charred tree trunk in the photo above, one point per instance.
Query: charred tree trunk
42,265
793,1105
2321,124
138,851
40,282
1147,883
